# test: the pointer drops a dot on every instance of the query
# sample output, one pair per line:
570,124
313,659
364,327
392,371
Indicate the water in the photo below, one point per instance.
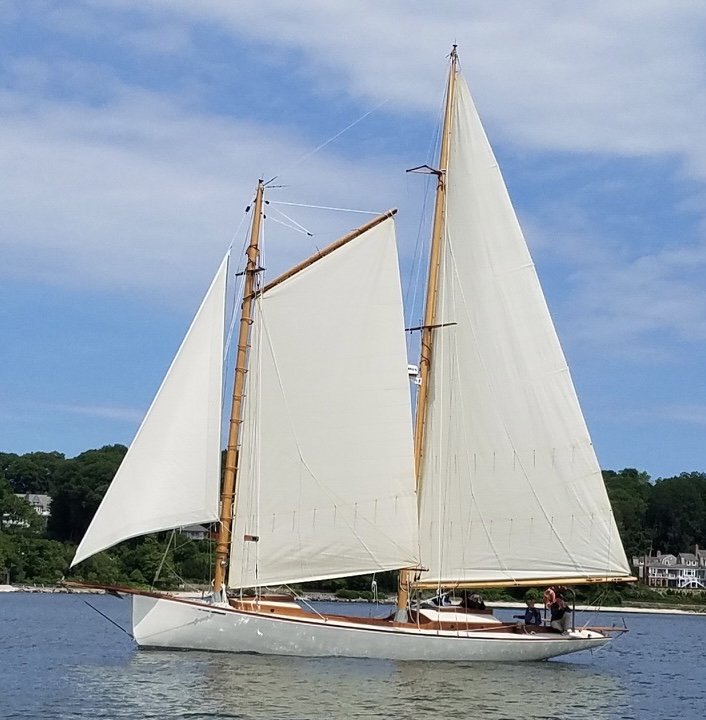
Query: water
59,659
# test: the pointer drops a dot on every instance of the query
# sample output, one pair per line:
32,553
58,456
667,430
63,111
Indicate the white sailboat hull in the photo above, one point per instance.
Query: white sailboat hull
165,622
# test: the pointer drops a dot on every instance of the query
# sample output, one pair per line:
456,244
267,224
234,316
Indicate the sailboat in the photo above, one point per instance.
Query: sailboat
494,482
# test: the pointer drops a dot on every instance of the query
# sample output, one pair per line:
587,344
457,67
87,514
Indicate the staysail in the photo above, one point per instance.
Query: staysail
511,490
170,476
326,476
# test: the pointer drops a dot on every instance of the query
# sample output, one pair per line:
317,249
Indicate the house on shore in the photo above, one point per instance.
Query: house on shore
40,503
685,571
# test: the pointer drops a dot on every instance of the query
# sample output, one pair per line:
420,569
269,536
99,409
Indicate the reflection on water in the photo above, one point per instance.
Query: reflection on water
206,685
60,660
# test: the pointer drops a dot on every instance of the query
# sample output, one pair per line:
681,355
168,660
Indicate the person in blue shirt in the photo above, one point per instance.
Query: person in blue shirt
531,616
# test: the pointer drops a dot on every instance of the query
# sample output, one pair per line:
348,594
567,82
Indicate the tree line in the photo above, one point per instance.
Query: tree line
667,514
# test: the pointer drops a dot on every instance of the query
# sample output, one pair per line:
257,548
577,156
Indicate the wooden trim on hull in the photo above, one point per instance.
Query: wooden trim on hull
274,608
171,623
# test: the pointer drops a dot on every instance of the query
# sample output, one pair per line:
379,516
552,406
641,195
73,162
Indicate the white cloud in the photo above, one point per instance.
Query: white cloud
599,77
689,414
133,188
131,191
128,415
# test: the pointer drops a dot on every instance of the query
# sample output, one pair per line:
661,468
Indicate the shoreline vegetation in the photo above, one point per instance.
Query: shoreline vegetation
628,608
666,514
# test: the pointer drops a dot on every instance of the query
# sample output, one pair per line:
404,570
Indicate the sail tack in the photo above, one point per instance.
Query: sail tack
510,486
326,475
170,476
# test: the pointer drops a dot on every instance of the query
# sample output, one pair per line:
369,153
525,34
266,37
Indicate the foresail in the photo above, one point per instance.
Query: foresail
326,477
170,476
511,489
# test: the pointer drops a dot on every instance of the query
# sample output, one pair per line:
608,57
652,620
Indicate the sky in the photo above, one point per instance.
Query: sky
132,134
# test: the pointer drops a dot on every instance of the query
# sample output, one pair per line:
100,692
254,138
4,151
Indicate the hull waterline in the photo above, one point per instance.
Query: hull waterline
172,623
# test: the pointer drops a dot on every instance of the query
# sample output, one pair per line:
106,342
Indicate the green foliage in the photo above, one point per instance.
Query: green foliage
344,594
17,516
45,561
193,559
32,472
668,515
676,511
629,491
81,483
103,568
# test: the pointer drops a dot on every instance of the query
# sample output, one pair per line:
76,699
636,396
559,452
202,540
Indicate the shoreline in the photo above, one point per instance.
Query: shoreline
323,597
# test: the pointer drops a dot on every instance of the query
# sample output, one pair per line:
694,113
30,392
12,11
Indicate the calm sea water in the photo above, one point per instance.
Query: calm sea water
60,659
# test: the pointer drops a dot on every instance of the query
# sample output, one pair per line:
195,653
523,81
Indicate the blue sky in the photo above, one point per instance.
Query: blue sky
132,135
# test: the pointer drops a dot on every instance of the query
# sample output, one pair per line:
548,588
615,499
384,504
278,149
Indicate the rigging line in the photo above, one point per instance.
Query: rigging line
330,140
419,264
293,221
257,434
164,557
237,293
237,230
109,619
303,600
291,227
326,207
246,502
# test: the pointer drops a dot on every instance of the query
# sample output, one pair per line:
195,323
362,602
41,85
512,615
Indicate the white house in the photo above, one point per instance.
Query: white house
686,571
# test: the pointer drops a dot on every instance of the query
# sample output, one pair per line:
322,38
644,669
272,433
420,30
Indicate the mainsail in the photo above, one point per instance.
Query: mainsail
326,476
510,487
170,476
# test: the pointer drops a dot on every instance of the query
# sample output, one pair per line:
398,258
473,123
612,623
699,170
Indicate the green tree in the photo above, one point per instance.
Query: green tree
17,516
81,483
45,561
193,559
676,512
32,472
629,492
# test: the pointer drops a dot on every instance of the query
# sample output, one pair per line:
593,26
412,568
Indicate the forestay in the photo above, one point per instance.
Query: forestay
510,486
170,476
326,478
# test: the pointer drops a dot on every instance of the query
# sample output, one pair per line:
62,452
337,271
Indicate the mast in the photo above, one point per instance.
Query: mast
427,330
231,464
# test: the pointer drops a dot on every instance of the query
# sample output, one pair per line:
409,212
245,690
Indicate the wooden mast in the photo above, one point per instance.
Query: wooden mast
231,464
427,330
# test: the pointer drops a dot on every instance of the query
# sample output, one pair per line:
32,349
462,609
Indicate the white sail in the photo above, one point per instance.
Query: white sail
326,476
171,474
511,489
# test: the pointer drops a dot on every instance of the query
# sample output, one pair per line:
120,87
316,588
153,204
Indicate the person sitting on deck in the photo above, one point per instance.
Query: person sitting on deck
560,615
472,601
441,599
531,615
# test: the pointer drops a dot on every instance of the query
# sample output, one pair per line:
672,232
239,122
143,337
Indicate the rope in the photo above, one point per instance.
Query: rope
110,620
325,207
291,227
304,601
164,557
296,225
330,140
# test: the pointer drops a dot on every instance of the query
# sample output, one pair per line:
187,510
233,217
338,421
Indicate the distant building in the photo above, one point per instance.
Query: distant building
41,503
195,532
686,571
